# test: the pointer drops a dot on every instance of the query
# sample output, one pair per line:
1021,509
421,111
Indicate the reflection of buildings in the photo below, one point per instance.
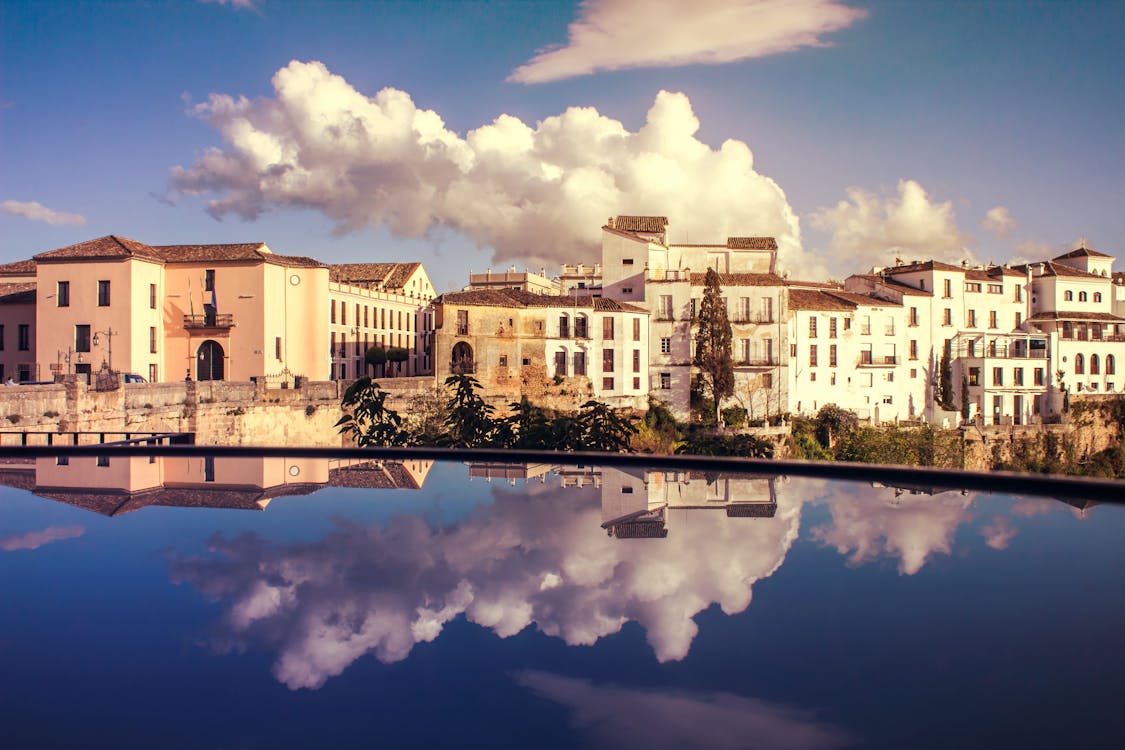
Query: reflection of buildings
115,485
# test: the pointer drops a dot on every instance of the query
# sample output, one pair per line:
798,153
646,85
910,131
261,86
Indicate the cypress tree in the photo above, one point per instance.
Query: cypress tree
713,343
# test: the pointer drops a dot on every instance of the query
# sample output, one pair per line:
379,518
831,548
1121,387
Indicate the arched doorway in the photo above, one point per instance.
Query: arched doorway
462,361
209,361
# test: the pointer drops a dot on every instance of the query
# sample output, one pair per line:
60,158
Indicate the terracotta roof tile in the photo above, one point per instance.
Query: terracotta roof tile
639,223
861,299
928,265
1074,315
897,286
741,279
813,299
752,243
380,275
102,248
1050,268
19,293
114,247
18,268
1082,252
519,299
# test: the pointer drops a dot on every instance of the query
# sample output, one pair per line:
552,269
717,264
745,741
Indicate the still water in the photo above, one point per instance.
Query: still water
245,603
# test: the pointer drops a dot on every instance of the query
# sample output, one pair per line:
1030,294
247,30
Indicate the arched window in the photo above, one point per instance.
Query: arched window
1110,365
581,330
1068,295
209,361
1082,296
1079,364
1095,365
564,326
1097,296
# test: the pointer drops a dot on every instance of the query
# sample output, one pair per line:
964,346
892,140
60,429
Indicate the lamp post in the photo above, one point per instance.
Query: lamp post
109,342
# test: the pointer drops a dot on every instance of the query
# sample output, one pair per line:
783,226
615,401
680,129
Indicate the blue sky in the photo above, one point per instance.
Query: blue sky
989,130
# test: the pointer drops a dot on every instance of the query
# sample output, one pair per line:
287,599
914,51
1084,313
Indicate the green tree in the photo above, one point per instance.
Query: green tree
374,357
713,343
603,428
398,355
368,419
945,381
468,422
832,423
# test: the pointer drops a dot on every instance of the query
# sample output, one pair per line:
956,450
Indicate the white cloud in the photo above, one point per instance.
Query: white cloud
38,212
535,193
36,539
238,4
612,716
617,34
998,222
871,231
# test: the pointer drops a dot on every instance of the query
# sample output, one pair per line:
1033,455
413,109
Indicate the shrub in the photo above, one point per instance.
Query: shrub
734,416
310,410
701,444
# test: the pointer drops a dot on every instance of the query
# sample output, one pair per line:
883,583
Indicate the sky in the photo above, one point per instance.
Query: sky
471,135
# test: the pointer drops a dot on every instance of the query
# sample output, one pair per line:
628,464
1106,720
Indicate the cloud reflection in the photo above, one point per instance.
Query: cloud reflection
36,539
614,716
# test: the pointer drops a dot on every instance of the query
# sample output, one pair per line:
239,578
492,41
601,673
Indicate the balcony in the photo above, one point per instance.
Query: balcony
660,274
867,360
463,367
765,361
216,320
751,319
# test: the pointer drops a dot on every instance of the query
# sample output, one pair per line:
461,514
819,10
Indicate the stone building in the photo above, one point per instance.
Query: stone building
516,342
527,281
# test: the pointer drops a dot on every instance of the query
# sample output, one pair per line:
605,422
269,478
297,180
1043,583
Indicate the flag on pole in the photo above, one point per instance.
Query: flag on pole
191,300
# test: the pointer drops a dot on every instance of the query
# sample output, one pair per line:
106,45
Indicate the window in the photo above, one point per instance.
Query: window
564,326
607,360
560,363
812,327
666,345
831,328
947,288
1095,365
580,363
947,317
103,294
665,307
922,284
626,261
767,380
971,321
332,311
503,360
526,361
1019,319
832,355
914,316
152,296
1079,364
1110,365
64,294
607,384
665,381
972,286
865,356
974,376
152,339
847,324
1082,296
24,334
747,350
366,313
767,310
277,347
744,309
82,338
812,376
462,322
343,313
1019,293
1097,296
995,288
992,321
103,461
209,280
913,349
1017,376
998,376
580,327
865,325
626,290
636,360
607,328
694,305
636,329
1068,295
913,372
1038,380
812,356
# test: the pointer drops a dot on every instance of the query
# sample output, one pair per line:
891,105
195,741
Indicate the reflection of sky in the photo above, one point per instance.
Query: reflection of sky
951,618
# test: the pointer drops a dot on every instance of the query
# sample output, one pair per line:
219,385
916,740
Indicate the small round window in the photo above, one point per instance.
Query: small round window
294,279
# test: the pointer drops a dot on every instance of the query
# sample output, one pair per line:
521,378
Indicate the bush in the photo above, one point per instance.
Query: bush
734,416
699,443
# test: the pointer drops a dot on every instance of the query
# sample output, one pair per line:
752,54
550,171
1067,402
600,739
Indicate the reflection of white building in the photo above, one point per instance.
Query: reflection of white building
643,504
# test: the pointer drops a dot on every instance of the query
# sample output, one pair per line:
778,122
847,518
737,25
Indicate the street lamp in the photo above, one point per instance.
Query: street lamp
109,340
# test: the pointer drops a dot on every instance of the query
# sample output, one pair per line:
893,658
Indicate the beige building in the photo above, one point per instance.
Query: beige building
515,342
527,281
17,332
388,305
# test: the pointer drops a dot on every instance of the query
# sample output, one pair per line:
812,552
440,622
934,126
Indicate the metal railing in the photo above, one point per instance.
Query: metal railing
218,320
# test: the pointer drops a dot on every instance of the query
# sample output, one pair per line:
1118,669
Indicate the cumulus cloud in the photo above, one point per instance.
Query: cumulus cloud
538,193
613,716
536,558
999,533
998,222
868,230
35,211
617,34
36,539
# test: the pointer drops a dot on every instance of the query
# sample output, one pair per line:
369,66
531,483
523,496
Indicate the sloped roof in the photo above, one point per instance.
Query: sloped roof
1050,268
604,304
19,293
1075,315
862,299
519,299
928,265
752,243
18,268
741,279
654,224
388,475
814,299
103,248
1082,252
382,275
897,286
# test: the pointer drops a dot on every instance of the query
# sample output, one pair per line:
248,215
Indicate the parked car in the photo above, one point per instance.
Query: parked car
132,377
